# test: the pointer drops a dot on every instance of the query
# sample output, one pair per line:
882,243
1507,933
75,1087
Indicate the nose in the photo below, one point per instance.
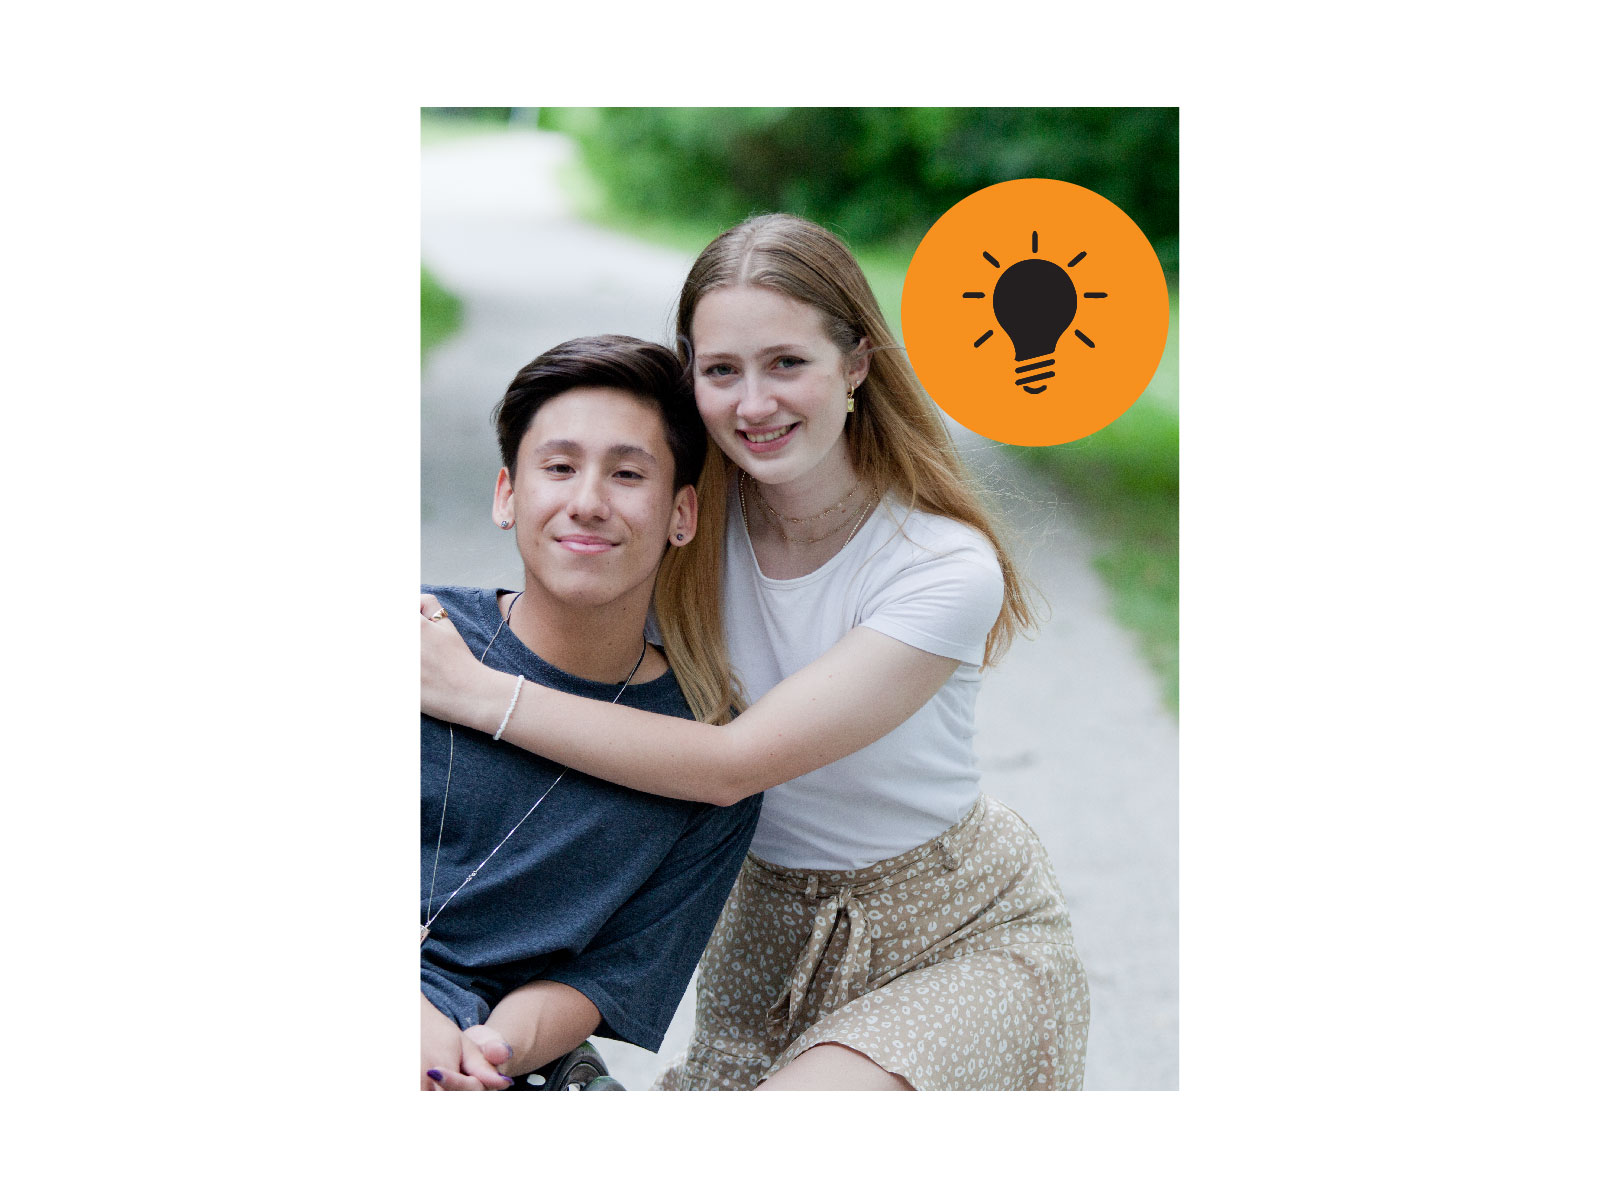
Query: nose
586,497
756,401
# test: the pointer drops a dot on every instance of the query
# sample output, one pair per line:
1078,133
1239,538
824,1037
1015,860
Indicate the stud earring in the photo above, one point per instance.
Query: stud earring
850,398
680,537
505,524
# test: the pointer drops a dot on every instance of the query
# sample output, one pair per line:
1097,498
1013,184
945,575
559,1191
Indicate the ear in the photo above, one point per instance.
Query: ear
503,509
859,360
685,517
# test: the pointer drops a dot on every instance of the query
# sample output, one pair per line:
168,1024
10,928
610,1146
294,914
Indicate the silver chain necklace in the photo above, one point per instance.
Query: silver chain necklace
444,805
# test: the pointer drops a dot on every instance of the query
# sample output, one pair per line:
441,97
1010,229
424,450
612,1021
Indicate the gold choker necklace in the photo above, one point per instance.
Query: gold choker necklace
803,520
775,518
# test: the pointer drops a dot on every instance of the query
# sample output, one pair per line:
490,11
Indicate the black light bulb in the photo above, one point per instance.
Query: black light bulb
1034,302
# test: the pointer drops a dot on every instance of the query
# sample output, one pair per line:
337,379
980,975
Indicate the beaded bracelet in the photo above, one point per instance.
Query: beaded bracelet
504,720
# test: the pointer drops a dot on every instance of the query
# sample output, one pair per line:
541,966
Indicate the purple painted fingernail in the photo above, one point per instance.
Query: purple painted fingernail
508,1078
436,1076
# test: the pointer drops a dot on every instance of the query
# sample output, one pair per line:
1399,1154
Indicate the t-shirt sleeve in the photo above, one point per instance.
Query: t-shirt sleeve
638,966
944,600
463,1005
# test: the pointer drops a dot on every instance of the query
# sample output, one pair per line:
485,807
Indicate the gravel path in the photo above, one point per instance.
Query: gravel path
1072,731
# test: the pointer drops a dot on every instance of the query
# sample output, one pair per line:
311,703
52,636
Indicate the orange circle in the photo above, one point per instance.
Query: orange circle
1108,299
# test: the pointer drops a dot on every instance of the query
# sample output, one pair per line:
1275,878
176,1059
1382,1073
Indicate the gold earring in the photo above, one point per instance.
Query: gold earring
850,398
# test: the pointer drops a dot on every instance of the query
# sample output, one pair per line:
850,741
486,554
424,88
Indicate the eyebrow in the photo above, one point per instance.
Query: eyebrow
561,445
785,347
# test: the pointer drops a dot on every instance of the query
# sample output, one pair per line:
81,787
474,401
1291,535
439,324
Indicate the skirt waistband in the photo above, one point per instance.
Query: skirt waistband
946,850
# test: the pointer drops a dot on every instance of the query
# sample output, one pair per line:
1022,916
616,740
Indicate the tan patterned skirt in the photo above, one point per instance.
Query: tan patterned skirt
951,965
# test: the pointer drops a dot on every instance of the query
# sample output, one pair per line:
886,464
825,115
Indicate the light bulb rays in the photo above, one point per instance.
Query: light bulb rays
1035,302
978,295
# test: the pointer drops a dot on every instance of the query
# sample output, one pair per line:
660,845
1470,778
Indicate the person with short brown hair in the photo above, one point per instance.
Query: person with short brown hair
556,904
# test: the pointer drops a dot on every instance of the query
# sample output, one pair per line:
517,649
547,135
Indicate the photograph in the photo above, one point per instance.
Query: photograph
780,730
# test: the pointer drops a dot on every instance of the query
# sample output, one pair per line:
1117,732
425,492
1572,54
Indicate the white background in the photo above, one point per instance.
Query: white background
211,484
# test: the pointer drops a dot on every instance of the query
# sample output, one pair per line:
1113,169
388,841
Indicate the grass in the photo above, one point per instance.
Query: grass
441,313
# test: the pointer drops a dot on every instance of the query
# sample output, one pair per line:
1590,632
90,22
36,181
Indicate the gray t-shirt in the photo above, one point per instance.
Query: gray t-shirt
611,891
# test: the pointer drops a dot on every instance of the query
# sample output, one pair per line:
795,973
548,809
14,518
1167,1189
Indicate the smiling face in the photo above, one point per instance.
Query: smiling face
770,385
592,501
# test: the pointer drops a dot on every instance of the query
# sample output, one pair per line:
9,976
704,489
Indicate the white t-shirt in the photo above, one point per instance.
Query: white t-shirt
935,585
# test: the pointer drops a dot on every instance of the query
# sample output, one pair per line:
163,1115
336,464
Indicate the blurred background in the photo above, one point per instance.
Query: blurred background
880,177
540,224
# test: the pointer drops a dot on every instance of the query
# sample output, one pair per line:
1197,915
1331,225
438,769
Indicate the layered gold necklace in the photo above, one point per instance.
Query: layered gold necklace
779,521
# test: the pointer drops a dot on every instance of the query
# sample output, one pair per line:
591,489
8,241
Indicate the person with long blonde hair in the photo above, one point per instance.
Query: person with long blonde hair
893,927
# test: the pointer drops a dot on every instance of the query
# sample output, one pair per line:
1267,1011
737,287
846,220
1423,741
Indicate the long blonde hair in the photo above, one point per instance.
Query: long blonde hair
688,603
898,443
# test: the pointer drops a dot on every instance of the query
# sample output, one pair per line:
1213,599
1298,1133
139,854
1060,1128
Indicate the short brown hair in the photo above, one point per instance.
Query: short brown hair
641,368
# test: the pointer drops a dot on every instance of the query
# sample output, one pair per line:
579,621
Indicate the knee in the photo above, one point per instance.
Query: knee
834,1067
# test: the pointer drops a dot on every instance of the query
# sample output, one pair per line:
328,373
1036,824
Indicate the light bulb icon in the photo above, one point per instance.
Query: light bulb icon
1035,302
1077,358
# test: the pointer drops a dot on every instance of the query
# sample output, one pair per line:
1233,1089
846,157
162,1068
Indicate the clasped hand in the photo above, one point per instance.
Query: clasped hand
455,1059
447,665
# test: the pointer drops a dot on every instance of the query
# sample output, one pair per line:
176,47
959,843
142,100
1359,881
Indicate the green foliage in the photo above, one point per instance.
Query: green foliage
441,313
449,124
875,175
482,116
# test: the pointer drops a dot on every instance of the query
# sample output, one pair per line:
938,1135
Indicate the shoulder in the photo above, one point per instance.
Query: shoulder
934,583
464,599
474,611
914,538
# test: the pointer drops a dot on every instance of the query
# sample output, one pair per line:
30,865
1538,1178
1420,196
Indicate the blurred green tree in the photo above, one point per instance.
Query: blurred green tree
876,175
